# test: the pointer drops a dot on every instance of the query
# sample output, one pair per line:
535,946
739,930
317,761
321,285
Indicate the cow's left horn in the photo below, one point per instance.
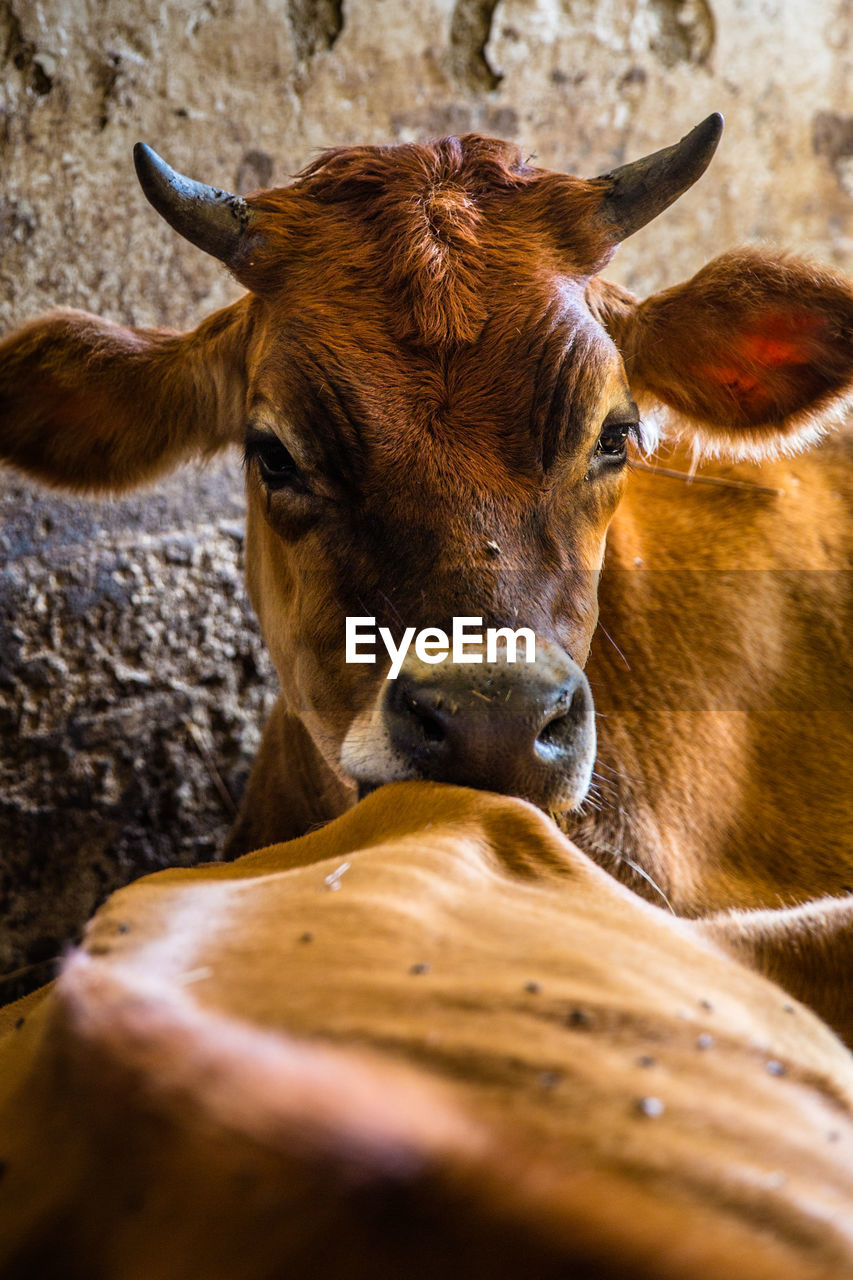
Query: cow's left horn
216,221
639,191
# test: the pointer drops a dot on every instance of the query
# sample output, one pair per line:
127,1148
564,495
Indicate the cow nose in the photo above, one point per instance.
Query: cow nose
521,729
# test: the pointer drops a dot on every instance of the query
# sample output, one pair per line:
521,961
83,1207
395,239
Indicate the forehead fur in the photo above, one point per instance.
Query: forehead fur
438,224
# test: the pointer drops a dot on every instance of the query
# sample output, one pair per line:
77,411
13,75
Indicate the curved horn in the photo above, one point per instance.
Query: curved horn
641,190
214,220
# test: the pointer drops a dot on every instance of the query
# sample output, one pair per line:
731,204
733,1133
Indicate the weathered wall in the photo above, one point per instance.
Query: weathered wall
132,681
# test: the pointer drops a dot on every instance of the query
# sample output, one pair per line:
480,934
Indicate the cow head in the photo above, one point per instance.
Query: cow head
435,394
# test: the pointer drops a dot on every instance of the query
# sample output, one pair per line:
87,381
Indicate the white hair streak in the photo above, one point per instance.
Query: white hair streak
662,426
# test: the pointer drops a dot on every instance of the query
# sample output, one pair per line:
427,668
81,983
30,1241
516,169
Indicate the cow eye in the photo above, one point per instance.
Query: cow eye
612,440
275,463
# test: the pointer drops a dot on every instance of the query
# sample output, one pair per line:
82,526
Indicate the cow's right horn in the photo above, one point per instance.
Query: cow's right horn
213,220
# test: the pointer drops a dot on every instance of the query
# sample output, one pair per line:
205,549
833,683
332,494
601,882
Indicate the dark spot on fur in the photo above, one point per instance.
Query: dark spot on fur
579,1018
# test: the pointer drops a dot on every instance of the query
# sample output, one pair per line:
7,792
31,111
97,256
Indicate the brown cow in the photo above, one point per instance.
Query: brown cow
431,1040
435,392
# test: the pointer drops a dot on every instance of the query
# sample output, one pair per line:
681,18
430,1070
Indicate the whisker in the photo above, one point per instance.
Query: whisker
588,803
617,773
615,645
640,872
690,478
392,607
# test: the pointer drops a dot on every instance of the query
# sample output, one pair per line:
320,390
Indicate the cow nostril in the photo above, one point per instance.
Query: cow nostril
554,731
426,720
562,727
528,734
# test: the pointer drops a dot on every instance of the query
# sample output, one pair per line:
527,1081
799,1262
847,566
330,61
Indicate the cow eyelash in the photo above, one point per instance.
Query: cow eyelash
276,464
613,440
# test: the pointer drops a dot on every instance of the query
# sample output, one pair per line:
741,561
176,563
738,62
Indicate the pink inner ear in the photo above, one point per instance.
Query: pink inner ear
780,339
739,383
764,349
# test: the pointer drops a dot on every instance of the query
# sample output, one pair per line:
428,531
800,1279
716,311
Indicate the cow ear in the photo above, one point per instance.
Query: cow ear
753,353
89,405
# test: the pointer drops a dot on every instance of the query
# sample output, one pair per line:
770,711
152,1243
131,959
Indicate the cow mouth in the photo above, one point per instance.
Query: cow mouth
516,731
554,773
554,808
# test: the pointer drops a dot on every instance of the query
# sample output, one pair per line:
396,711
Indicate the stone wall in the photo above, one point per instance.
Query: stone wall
132,680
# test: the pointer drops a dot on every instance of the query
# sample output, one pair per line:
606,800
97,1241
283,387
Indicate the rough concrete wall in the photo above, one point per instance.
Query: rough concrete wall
132,681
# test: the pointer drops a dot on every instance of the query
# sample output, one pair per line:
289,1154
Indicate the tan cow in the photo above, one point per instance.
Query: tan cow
431,1040
435,392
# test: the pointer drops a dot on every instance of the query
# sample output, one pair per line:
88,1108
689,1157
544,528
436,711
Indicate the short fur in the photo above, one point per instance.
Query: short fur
426,332
479,1056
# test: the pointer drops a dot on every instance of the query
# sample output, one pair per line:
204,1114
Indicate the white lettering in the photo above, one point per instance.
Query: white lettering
396,655
353,638
461,637
428,641
511,639
433,645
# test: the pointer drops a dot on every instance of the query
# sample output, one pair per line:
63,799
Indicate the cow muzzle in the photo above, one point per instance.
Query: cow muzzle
522,729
